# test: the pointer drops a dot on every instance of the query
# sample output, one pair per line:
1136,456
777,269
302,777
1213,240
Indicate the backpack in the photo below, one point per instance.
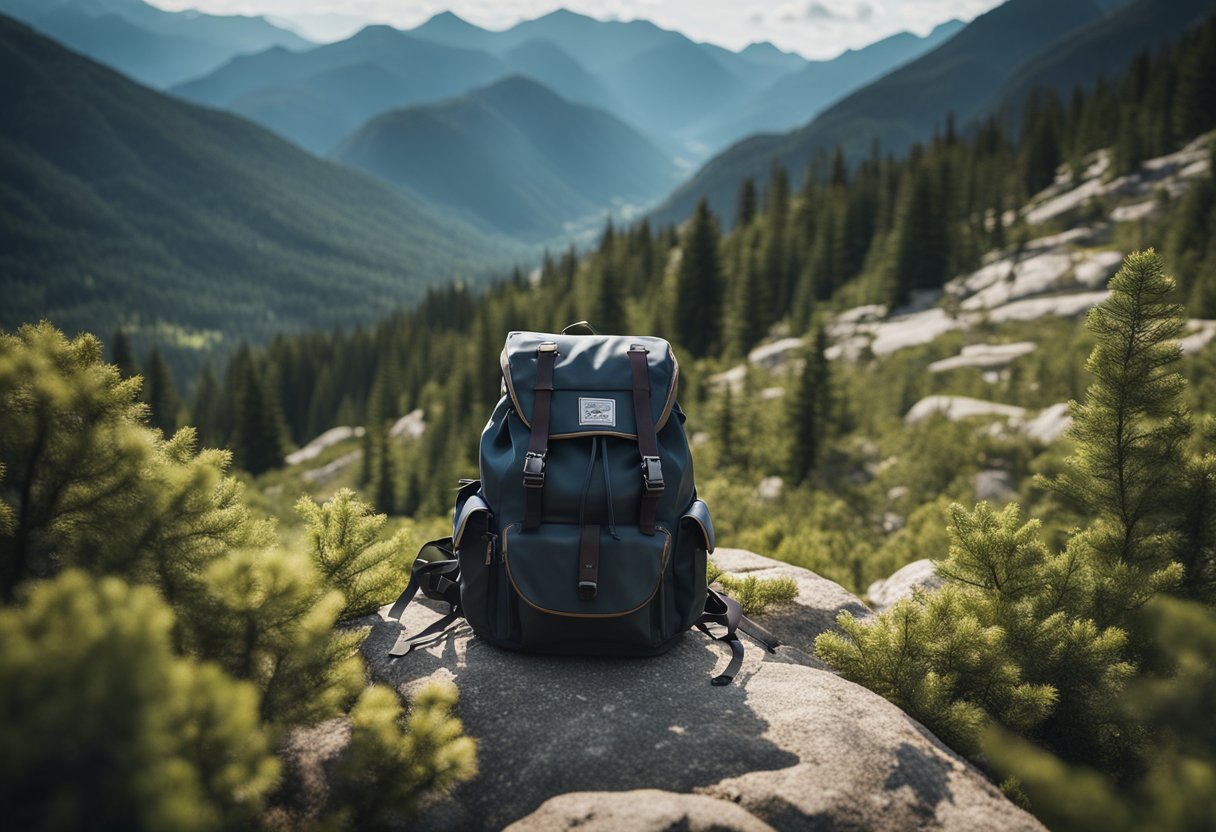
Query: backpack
584,535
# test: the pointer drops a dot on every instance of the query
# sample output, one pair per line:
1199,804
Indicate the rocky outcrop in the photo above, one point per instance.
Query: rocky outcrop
650,744
919,574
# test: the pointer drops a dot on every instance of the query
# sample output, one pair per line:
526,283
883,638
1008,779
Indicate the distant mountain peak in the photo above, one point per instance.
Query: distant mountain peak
448,20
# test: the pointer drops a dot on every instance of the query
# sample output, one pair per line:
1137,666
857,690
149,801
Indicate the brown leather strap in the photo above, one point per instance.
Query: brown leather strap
538,442
648,443
589,563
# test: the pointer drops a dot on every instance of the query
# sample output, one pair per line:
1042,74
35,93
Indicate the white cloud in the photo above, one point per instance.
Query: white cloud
816,28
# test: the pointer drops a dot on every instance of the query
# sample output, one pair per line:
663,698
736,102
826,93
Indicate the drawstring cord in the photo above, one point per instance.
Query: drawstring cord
582,505
608,489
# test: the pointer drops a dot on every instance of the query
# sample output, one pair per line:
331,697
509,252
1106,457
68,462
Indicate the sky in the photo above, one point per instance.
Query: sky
814,28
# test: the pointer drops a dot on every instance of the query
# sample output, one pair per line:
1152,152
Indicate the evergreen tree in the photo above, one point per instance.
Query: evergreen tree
808,409
1129,433
121,354
160,393
745,212
344,538
105,727
698,301
258,432
206,411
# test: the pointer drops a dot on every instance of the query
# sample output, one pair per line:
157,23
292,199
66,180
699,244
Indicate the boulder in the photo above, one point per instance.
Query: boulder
641,810
919,574
815,609
650,744
994,485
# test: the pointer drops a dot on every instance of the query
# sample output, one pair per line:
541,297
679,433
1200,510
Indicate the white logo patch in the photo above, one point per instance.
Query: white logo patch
597,412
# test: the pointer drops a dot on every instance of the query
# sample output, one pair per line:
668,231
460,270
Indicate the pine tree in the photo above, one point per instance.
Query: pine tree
109,729
745,212
207,408
808,409
258,434
121,354
344,539
160,393
1129,432
698,301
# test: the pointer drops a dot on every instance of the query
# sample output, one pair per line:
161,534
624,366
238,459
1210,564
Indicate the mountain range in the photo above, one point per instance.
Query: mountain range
689,98
150,45
988,67
120,205
514,157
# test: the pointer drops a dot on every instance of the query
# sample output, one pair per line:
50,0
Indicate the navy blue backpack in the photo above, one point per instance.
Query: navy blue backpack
584,534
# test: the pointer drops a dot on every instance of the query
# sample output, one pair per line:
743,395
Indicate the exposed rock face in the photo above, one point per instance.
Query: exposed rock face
642,810
903,582
566,742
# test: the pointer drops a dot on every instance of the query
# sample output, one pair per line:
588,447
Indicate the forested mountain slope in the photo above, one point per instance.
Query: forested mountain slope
153,46
961,77
797,97
122,206
513,157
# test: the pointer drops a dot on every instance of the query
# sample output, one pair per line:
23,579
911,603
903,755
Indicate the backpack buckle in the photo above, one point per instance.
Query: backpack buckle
587,590
652,473
534,470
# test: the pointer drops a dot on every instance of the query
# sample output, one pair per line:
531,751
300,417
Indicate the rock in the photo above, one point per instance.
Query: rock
732,378
792,745
912,330
1060,306
641,810
770,393
411,425
770,488
332,469
994,485
985,356
956,408
326,440
1199,334
775,355
1051,424
812,612
918,574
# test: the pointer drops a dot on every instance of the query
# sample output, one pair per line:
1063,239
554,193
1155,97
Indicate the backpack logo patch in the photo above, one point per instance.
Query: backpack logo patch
597,412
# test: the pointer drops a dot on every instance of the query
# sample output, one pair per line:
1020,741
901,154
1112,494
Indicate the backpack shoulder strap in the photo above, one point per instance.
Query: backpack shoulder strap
439,579
725,612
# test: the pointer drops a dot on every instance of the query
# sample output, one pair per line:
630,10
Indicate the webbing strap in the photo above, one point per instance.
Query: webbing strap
726,613
648,443
538,442
406,643
589,563
442,584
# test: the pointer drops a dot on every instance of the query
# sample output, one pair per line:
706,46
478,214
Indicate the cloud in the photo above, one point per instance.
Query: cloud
817,11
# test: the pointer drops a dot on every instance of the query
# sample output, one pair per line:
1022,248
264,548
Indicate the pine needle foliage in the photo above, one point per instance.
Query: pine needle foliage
754,594
107,728
395,758
1046,645
159,642
345,541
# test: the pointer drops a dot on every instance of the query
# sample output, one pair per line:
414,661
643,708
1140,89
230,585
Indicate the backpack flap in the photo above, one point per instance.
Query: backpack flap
592,381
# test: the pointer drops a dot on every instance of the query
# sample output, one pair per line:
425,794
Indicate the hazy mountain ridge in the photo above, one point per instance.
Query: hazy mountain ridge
960,76
122,205
153,46
513,156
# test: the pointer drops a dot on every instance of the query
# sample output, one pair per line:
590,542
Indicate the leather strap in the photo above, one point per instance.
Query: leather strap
589,563
538,443
648,443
